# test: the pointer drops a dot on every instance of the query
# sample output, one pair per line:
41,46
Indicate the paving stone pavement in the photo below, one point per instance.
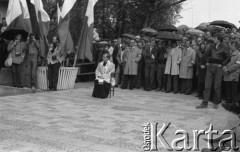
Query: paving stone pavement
73,121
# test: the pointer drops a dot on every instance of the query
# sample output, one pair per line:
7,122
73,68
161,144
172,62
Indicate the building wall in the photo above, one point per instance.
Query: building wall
3,9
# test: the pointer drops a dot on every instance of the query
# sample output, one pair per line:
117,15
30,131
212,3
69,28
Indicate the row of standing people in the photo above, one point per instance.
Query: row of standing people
164,66
27,54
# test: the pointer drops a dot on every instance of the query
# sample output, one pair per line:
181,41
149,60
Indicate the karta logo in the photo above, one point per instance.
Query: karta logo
153,137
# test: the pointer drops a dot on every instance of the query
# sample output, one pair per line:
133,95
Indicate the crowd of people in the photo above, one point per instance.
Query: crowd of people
208,63
26,57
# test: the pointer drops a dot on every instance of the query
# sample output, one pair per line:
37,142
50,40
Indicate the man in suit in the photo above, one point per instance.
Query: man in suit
217,56
150,55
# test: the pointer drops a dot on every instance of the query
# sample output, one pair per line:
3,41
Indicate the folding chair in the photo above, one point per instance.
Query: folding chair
111,93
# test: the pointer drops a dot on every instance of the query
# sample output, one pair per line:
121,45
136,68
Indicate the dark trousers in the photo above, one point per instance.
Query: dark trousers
128,79
16,74
139,76
101,90
32,71
53,70
200,89
231,91
149,75
119,74
213,74
172,79
186,86
161,77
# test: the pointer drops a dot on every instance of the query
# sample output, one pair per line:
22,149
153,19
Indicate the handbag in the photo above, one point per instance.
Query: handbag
9,60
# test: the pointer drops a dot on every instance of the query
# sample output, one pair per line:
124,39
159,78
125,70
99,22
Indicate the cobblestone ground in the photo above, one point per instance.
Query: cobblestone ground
73,121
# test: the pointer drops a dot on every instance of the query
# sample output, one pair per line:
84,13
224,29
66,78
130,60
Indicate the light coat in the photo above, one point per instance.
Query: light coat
186,66
131,57
173,60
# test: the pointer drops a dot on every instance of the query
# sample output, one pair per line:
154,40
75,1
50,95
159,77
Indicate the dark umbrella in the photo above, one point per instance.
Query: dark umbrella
203,26
149,30
167,35
182,28
170,28
130,36
10,34
194,32
223,24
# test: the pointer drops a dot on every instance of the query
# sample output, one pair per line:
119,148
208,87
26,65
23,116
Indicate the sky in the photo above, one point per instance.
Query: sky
195,12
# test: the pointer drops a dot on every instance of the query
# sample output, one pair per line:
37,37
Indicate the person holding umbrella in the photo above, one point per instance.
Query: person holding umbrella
17,48
150,55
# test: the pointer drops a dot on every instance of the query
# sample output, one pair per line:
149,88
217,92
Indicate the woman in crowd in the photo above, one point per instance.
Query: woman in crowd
131,57
102,84
201,61
17,48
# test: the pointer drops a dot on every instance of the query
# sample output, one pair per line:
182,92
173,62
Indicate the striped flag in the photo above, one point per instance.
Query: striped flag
63,25
44,23
86,37
18,15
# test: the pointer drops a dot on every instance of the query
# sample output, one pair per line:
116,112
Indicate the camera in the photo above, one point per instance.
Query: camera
54,57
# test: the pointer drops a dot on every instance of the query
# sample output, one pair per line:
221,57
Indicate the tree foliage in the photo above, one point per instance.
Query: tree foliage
115,17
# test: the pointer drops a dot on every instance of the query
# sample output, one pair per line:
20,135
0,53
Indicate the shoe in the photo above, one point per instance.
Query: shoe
167,91
157,90
163,90
130,88
33,88
188,93
215,106
201,106
148,89
116,86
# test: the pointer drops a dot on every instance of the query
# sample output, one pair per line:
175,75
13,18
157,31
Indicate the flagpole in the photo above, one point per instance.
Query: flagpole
75,59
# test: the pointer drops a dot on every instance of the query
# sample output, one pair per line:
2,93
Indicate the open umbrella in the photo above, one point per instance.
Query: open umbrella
203,26
223,24
167,35
182,28
170,28
130,36
149,30
194,32
10,34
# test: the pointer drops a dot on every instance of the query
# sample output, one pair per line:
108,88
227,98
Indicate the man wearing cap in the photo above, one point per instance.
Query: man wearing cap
149,55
